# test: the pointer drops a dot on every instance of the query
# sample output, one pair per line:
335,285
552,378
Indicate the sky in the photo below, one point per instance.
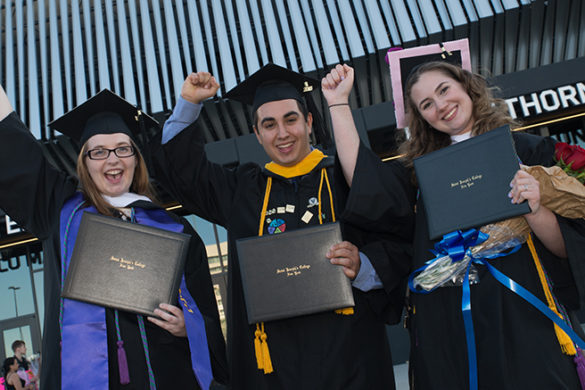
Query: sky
24,296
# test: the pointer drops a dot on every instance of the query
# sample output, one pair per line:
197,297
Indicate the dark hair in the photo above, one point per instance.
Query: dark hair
302,108
17,344
488,111
140,182
6,367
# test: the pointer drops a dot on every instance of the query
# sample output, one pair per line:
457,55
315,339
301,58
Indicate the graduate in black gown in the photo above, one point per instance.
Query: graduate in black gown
300,187
82,343
516,345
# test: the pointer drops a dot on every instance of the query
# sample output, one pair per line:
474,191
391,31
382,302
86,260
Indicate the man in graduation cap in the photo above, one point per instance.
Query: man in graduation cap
88,346
326,350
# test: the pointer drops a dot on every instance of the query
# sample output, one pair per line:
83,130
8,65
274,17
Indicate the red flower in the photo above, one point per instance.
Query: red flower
563,151
577,159
572,159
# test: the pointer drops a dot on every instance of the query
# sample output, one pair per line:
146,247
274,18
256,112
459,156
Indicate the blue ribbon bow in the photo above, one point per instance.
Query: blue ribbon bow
458,244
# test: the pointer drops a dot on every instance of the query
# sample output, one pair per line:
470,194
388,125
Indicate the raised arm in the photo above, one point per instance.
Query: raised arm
196,88
181,164
32,191
336,87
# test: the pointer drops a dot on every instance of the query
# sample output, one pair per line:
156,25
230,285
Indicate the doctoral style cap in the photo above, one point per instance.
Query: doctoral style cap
104,113
402,63
272,83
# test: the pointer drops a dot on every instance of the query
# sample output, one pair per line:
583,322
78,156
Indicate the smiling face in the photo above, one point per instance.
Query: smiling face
443,103
283,131
112,176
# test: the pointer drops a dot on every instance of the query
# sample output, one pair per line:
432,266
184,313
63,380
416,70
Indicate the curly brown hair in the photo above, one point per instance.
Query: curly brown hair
140,183
488,112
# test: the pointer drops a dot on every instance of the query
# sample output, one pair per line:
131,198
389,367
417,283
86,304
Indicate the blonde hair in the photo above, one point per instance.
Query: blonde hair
140,183
488,111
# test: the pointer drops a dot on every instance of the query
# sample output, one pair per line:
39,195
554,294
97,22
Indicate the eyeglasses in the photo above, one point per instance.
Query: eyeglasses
103,153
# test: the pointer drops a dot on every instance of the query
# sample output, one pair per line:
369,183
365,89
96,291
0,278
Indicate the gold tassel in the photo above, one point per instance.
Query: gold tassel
258,348
565,341
346,311
267,362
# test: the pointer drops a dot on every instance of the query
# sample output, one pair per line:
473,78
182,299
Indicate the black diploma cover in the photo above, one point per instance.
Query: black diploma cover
288,274
466,184
125,265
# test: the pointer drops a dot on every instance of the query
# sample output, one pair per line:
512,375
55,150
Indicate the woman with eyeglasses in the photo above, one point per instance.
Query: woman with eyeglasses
89,346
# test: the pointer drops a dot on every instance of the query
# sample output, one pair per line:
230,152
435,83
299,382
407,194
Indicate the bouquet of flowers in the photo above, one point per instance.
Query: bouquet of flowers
562,191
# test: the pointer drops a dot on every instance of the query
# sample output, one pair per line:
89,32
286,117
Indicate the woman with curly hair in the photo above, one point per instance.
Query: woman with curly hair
516,346
486,112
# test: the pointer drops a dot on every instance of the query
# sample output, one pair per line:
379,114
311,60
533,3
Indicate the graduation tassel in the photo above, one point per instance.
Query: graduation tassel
263,360
580,363
258,348
565,341
346,311
267,362
260,345
122,359
123,364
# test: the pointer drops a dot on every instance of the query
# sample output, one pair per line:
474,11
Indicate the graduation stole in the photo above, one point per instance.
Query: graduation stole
304,167
83,325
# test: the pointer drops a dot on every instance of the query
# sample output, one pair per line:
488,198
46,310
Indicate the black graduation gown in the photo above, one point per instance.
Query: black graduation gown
320,351
33,194
516,345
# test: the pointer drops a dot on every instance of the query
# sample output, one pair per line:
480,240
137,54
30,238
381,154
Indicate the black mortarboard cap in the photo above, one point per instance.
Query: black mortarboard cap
272,83
403,62
104,113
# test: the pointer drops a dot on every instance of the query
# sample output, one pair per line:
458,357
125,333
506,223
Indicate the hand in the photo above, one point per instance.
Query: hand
199,86
172,319
525,187
346,255
336,86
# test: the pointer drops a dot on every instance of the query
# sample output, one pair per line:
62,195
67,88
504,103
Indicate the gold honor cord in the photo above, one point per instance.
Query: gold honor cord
565,341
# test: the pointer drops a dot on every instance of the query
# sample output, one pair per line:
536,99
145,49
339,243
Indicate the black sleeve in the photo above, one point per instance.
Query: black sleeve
382,197
183,169
198,280
534,150
567,275
570,285
379,212
32,190
391,258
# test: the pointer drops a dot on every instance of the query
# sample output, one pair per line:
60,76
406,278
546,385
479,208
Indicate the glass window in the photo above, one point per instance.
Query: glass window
15,282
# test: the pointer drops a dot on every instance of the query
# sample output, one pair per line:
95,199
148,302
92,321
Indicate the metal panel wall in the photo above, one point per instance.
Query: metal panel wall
55,54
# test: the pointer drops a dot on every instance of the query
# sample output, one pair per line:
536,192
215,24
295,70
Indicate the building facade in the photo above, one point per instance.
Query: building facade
55,54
